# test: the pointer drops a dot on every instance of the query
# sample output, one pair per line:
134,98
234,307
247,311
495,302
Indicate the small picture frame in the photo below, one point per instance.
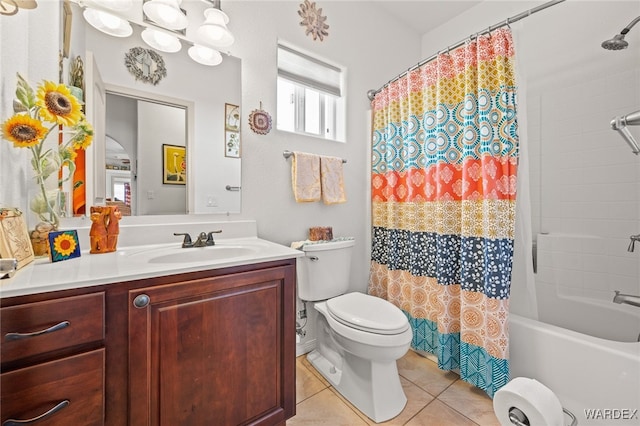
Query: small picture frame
174,164
232,117
232,144
14,237
231,130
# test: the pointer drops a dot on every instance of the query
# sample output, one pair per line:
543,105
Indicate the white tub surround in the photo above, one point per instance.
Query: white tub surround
142,246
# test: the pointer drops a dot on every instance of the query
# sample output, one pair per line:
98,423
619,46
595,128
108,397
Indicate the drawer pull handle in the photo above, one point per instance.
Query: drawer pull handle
19,336
58,407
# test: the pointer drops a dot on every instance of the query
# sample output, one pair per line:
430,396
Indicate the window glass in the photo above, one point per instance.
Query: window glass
310,95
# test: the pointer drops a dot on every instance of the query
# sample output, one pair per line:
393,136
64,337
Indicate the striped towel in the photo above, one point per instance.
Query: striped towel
332,180
305,177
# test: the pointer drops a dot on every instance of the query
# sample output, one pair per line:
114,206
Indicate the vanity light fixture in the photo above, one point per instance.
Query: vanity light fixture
166,13
161,41
165,24
115,5
205,55
11,7
107,23
214,29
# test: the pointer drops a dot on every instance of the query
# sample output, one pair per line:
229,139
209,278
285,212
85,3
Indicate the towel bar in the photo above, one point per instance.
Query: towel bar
287,154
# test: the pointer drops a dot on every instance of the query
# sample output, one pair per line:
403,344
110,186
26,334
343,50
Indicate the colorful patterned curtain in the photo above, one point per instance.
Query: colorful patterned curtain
445,154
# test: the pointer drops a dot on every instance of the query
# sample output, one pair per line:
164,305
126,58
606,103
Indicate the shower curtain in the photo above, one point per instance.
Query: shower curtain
444,162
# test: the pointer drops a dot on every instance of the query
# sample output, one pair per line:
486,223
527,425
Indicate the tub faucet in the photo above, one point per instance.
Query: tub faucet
629,299
634,238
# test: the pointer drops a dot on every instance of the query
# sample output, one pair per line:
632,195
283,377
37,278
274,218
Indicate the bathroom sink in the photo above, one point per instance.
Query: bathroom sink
177,254
201,254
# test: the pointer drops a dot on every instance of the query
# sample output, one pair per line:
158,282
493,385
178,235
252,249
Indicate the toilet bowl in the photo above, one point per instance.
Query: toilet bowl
359,337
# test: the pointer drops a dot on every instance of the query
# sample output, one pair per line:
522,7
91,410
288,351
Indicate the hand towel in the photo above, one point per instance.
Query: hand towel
305,177
332,180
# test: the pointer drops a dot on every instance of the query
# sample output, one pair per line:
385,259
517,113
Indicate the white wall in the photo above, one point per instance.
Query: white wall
371,57
585,182
35,56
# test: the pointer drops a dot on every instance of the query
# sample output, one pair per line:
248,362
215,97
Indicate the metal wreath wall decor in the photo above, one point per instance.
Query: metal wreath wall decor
145,65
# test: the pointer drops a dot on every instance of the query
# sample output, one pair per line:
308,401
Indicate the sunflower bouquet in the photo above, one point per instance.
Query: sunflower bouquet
36,115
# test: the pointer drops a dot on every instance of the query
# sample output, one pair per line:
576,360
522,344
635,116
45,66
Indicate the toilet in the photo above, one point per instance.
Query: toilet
359,337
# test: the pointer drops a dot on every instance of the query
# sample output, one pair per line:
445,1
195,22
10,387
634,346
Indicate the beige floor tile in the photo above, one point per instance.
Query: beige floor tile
425,373
470,401
325,409
306,363
307,383
439,414
416,400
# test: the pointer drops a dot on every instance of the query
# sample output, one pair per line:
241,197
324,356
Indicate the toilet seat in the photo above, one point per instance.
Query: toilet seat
367,313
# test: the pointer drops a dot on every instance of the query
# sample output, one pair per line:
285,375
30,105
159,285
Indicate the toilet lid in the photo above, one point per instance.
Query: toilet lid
367,313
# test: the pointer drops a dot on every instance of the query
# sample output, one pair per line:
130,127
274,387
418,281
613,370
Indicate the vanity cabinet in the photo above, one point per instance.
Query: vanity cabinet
212,347
213,351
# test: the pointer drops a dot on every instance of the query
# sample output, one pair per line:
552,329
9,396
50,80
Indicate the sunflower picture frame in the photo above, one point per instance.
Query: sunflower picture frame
64,245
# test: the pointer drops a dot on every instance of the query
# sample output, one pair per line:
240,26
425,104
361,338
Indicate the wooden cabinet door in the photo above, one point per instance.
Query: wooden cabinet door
215,351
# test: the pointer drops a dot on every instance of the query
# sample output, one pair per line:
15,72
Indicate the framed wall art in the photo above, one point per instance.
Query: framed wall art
231,131
174,164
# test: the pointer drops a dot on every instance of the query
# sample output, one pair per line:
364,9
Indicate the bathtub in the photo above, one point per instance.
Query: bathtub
598,380
581,345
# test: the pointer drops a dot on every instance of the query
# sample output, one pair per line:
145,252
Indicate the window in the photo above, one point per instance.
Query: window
310,95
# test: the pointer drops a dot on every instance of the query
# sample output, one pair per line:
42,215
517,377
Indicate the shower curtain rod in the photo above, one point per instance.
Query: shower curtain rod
372,93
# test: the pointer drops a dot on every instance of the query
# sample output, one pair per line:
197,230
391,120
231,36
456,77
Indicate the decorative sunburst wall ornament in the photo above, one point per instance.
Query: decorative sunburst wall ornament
312,19
260,121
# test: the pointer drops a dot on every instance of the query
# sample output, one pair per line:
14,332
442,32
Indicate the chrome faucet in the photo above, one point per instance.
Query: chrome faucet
204,239
629,299
634,238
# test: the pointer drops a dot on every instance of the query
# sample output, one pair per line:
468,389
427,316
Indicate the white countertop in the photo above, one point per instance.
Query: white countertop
138,262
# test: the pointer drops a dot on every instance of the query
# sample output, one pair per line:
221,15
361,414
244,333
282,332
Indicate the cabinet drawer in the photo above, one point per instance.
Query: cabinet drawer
32,391
40,327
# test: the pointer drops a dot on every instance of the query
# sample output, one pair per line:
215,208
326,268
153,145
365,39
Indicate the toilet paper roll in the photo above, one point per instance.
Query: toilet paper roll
536,401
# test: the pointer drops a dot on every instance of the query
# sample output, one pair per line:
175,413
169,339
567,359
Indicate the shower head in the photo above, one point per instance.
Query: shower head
618,42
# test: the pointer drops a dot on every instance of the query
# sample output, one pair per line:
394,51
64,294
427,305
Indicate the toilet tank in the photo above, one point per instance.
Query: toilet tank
324,270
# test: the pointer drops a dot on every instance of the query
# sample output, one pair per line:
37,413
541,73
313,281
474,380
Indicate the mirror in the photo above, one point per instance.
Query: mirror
203,92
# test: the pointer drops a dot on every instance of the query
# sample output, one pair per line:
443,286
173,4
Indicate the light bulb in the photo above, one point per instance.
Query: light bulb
205,55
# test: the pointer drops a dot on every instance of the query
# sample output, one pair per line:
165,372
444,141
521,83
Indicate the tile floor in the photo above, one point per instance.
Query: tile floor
435,398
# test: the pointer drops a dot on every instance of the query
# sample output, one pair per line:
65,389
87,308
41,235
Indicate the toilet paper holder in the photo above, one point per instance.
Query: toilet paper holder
518,418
